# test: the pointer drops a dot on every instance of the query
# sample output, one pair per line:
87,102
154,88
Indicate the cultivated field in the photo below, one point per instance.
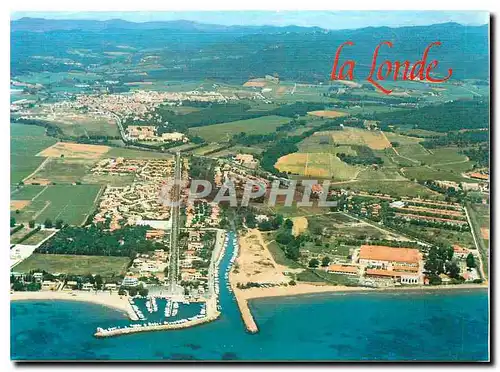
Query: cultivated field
38,237
442,156
427,173
402,139
25,142
79,125
78,265
18,204
224,132
354,136
62,170
69,203
74,150
26,192
319,165
18,235
324,144
395,188
327,113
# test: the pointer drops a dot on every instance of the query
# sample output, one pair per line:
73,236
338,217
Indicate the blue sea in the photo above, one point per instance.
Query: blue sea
425,326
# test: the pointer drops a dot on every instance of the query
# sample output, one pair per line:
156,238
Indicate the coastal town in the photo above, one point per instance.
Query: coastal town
182,185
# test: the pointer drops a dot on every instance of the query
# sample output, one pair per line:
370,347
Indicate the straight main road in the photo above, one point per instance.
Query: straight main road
173,271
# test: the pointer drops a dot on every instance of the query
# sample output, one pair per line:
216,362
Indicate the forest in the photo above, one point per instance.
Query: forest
95,241
447,117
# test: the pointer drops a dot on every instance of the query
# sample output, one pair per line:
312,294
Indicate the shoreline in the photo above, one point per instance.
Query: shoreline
312,289
113,301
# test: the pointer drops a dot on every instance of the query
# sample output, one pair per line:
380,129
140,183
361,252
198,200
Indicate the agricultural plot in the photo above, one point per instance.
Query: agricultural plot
439,156
457,168
18,204
69,203
18,235
74,150
382,173
76,265
419,133
319,165
445,236
428,173
354,136
26,192
223,132
394,188
327,113
206,149
337,225
62,170
323,144
402,139
79,125
412,151
25,142
38,237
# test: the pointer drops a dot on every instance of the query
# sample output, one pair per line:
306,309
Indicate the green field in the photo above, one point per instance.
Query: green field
64,170
26,192
206,149
427,173
25,142
223,132
77,265
324,144
37,238
433,157
402,139
382,173
413,151
69,203
393,188
340,225
78,125
17,236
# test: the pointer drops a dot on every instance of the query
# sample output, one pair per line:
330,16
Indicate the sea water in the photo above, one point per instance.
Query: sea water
444,325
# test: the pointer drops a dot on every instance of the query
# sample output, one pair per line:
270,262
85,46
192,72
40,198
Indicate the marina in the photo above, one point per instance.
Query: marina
157,313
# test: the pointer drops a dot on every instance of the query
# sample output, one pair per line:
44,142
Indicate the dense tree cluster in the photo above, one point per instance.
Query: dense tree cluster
439,260
364,156
447,117
96,241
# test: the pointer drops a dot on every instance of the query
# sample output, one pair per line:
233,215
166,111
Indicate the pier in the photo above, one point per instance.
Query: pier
101,333
246,315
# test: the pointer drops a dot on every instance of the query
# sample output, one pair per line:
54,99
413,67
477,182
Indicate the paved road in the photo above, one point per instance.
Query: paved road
173,271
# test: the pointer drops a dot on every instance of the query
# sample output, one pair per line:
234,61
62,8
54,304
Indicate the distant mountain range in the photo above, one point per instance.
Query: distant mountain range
44,25
191,50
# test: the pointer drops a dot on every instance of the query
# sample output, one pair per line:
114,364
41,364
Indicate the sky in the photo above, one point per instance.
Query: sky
333,20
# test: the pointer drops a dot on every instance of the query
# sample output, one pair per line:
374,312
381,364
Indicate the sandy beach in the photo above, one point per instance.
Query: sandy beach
255,263
101,298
